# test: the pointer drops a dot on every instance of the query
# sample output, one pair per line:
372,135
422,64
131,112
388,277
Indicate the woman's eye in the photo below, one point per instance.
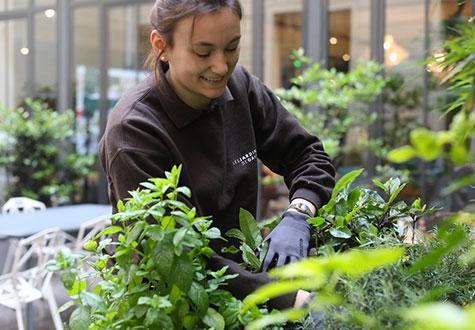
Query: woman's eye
231,49
202,55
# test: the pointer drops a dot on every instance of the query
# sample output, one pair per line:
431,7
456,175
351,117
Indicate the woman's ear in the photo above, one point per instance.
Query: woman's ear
158,45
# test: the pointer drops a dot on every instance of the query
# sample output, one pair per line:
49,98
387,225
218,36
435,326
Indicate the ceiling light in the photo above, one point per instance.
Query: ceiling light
333,40
24,51
346,57
50,13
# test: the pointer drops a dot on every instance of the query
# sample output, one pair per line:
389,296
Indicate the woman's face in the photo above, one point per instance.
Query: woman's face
203,56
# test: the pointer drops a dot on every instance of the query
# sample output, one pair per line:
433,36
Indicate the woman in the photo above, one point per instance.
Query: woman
202,110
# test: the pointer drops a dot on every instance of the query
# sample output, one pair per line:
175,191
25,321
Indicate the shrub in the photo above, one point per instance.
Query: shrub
38,155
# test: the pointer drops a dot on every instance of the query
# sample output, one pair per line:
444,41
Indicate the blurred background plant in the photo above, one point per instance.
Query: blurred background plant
454,144
38,155
333,104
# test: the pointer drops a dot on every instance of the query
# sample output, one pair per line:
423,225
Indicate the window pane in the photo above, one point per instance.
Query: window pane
288,29
13,4
125,70
86,73
39,3
14,54
144,34
45,58
348,33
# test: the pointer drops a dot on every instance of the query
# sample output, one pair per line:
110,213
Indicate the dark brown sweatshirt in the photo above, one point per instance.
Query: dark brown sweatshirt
151,129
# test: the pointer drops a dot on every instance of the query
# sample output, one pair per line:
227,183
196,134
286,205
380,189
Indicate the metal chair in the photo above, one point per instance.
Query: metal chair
29,280
22,205
89,229
18,205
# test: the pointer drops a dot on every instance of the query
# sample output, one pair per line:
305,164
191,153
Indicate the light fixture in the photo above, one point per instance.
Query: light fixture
393,53
50,13
333,40
24,51
346,57
393,57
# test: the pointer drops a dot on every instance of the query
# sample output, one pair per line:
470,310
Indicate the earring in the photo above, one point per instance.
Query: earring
163,58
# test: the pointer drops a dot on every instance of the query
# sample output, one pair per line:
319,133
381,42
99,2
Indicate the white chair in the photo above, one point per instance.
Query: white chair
18,205
22,205
89,229
29,280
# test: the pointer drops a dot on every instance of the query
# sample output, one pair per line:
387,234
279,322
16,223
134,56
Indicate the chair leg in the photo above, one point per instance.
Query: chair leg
53,307
7,265
19,317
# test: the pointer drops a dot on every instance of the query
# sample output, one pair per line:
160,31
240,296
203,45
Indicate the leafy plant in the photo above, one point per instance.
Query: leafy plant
454,144
354,291
157,276
357,216
38,155
341,98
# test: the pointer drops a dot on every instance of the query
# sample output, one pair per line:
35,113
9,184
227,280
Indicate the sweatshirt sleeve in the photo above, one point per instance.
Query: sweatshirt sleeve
287,148
128,164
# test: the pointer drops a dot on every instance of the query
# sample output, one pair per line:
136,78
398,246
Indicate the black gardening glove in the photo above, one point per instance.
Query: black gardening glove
289,240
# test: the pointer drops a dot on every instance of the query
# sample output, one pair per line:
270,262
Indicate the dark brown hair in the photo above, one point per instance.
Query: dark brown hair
165,15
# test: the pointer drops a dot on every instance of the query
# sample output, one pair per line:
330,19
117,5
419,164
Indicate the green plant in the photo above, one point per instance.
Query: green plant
358,216
456,143
157,277
38,155
341,98
353,291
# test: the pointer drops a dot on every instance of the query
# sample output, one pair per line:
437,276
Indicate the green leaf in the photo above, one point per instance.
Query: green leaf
249,257
109,231
236,233
135,232
80,319
316,222
249,229
213,233
340,232
277,318
182,273
439,316
199,297
213,319
90,245
346,181
425,143
402,154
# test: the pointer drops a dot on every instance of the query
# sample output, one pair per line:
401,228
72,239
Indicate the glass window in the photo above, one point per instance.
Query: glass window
86,77
125,69
144,34
41,3
13,4
14,54
288,30
45,58
348,33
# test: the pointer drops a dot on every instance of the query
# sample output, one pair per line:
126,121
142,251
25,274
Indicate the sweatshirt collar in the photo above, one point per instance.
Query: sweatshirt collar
178,111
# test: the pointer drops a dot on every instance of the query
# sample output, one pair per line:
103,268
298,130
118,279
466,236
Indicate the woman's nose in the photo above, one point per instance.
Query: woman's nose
220,65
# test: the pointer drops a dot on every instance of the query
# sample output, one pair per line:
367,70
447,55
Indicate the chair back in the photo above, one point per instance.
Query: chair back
91,228
22,205
31,256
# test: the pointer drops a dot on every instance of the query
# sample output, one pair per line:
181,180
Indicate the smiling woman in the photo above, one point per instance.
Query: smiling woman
202,110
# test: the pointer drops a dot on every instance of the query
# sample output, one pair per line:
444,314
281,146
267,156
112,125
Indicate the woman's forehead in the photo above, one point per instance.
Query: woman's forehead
223,26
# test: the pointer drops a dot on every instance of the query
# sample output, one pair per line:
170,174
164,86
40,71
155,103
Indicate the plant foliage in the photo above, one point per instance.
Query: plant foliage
157,276
341,98
456,143
38,155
